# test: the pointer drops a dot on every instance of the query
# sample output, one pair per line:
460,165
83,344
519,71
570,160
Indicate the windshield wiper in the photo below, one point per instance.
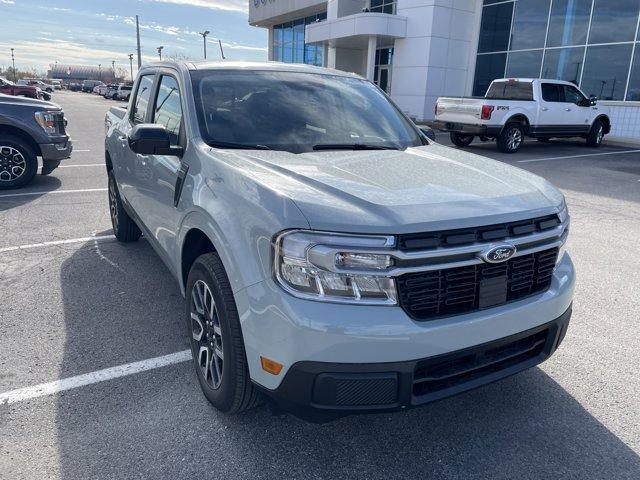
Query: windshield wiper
353,146
238,146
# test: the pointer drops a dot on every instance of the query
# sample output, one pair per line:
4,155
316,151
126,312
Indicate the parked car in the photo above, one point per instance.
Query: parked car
101,89
111,91
123,92
331,256
45,87
89,85
57,84
29,129
74,86
9,88
515,108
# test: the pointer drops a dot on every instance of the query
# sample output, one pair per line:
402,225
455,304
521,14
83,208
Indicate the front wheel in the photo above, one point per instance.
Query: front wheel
461,140
511,138
217,346
596,135
18,162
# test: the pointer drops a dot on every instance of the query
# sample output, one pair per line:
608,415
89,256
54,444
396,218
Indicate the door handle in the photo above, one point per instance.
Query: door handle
567,109
544,109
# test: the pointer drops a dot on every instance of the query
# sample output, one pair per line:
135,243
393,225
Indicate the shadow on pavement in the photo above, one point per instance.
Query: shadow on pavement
40,183
122,305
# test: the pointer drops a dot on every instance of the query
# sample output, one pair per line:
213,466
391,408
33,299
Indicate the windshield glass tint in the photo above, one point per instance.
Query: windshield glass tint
296,112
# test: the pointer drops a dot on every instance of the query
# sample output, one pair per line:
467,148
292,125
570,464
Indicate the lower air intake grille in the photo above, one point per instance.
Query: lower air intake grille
439,293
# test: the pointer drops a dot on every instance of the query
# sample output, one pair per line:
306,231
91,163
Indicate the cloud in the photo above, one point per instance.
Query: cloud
229,5
8,2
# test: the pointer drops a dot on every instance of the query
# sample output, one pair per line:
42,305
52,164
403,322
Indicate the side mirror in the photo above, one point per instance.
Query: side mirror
152,139
428,132
593,100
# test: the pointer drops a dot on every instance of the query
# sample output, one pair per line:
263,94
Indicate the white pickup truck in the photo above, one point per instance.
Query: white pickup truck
515,108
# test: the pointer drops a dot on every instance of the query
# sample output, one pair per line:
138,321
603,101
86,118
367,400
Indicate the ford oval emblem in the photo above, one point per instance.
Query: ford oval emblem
498,253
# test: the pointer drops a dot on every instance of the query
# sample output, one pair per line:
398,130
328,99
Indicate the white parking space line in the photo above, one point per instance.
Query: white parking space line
83,165
545,159
47,192
82,150
98,376
57,242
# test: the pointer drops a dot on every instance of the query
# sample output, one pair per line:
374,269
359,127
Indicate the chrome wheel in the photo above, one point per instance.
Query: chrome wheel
113,203
206,334
12,164
514,139
600,135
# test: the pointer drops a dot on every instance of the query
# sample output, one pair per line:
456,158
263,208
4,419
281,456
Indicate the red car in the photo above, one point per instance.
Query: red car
10,88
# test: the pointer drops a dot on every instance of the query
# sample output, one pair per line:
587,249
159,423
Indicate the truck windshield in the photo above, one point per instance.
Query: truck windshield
297,112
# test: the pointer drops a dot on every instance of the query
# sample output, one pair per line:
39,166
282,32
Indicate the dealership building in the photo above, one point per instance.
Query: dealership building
419,50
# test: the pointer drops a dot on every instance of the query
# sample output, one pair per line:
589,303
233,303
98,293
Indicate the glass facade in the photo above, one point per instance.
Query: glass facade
288,42
383,6
382,71
592,43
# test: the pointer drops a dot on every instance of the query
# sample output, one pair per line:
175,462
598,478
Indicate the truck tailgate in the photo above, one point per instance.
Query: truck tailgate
459,110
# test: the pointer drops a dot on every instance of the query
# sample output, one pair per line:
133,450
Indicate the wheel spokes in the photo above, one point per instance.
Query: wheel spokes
197,329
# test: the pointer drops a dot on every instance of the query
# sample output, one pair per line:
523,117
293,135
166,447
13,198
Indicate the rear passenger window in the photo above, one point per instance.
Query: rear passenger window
511,90
550,92
142,99
168,109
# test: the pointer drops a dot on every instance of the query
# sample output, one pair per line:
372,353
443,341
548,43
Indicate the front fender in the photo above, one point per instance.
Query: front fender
241,232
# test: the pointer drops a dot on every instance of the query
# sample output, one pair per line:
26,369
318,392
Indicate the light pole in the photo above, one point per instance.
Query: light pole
221,50
204,38
113,69
131,64
100,71
160,52
13,62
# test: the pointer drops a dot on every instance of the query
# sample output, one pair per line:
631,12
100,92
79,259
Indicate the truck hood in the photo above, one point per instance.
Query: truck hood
31,102
388,191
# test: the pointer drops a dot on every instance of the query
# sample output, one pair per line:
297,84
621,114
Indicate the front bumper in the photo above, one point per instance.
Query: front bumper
320,391
56,151
466,128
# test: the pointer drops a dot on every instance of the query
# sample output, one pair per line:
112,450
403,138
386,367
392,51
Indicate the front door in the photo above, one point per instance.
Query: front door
561,112
383,77
157,193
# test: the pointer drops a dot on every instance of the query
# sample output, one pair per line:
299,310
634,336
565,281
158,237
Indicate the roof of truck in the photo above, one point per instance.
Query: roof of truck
237,65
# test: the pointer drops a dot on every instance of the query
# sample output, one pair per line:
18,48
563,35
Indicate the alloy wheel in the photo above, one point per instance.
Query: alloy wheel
12,164
206,334
113,204
514,139
600,135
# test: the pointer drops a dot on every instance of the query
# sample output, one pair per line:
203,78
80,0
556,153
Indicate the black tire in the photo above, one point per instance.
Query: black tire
596,134
460,139
18,162
511,138
543,139
234,393
124,228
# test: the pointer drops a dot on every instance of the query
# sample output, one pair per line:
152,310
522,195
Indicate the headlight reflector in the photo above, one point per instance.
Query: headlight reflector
324,274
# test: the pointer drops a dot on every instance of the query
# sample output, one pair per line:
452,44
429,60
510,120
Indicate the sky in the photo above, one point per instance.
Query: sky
93,32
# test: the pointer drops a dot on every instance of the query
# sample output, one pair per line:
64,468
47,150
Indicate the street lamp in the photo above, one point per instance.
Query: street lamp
13,62
131,63
160,52
204,38
100,71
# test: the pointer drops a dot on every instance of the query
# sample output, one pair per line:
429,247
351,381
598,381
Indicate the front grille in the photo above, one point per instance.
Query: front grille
435,375
466,236
438,293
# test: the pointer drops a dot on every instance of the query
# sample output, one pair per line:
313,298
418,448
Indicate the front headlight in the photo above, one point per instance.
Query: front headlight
335,267
49,121
566,220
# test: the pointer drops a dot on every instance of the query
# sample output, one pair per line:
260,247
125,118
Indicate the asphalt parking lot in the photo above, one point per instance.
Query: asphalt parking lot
72,305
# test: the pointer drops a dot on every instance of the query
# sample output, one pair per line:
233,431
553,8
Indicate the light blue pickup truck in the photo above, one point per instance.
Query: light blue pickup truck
333,259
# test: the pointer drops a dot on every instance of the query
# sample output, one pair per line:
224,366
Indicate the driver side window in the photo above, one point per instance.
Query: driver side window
573,95
142,99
